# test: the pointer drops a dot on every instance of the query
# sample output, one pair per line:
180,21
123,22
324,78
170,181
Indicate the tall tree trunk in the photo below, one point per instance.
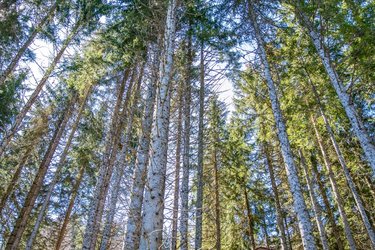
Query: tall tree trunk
327,205
112,133
20,225
13,183
69,210
94,222
177,171
250,220
199,202
133,227
121,165
294,184
279,212
315,204
353,189
334,187
153,206
186,152
19,118
38,28
356,123
217,200
56,177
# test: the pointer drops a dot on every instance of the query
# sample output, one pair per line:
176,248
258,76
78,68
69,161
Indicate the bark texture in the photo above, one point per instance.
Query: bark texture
199,202
294,184
336,194
153,207
21,222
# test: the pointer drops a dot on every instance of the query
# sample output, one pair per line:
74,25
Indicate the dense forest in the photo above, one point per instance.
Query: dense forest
118,130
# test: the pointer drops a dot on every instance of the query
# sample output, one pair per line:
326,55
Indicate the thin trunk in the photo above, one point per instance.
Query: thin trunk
315,204
13,183
335,189
353,189
153,206
121,165
279,212
327,205
264,225
56,177
199,202
250,220
89,231
294,184
288,234
38,28
356,123
68,212
217,201
19,118
108,165
133,227
177,172
186,152
20,225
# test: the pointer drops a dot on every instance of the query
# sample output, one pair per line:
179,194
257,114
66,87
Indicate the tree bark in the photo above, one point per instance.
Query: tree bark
56,177
102,187
19,118
153,206
177,172
217,200
15,178
315,204
133,228
279,212
69,210
186,152
335,190
13,64
327,205
199,202
357,126
349,179
20,225
294,184
250,220
121,165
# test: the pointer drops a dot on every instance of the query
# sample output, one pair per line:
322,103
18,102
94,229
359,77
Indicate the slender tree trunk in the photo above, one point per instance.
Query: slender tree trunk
331,218
13,183
294,184
38,28
353,189
335,190
69,210
89,231
177,172
279,213
199,202
264,226
186,153
20,225
119,172
153,206
102,187
315,204
19,118
133,228
250,220
350,110
217,201
56,177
